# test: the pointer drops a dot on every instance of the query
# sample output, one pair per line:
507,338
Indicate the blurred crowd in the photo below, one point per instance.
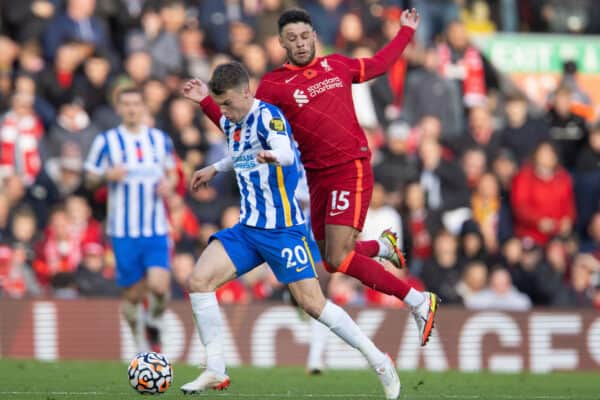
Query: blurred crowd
497,200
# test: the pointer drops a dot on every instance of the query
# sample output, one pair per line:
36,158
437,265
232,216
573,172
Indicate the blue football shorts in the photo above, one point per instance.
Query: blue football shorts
135,255
290,252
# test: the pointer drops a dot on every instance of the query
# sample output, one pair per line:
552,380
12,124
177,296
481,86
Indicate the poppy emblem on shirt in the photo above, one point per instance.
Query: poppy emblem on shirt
310,73
138,151
237,135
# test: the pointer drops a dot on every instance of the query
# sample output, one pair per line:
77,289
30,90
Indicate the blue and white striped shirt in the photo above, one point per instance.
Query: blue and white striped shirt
267,191
134,207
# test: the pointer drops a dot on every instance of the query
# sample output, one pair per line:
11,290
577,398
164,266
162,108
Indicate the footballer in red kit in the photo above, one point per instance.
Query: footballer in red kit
315,94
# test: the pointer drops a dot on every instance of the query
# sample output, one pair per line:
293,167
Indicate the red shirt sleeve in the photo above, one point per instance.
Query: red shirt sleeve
264,93
212,110
365,69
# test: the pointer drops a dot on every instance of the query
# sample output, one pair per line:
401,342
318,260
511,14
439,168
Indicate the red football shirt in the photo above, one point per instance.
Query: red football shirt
317,101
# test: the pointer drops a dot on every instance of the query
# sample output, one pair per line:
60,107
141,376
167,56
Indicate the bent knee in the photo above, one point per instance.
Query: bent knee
199,282
334,260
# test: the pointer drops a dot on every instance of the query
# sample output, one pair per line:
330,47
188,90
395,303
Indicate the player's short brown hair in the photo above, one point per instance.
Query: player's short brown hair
292,16
228,76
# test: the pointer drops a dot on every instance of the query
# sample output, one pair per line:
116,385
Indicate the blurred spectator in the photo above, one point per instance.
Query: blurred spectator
28,85
20,133
27,19
56,80
73,129
581,291
428,127
592,243
196,60
569,80
9,51
445,185
395,168
138,67
500,295
17,280
442,272
326,16
419,225
474,165
550,273
486,206
23,231
472,246
184,226
93,85
159,37
567,130
481,134
83,227
522,132
266,19
587,181
63,286
542,197
429,93
189,144
435,16
477,18
59,251
381,216
89,277
473,281
76,23
588,158
61,177
462,63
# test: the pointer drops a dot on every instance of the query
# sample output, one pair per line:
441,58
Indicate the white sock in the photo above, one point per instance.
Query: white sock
318,341
384,250
343,326
209,323
414,298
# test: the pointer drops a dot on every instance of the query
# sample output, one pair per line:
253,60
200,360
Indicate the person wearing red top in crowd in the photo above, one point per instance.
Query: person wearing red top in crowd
315,95
542,197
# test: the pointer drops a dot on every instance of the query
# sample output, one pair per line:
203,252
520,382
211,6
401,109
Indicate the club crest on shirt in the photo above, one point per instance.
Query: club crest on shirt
325,65
277,124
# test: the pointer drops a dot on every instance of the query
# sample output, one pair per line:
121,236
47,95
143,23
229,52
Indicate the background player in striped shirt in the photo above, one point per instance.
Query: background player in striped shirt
137,163
271,228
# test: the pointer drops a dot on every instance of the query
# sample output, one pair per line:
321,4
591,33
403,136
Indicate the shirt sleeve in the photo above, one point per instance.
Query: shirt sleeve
264,93
212,110
224,164
275,132
364,69
97,161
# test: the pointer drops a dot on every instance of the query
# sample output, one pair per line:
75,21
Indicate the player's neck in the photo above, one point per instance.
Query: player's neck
133,128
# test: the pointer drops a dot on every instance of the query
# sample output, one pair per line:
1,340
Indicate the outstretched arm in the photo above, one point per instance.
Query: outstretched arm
197,91
382,61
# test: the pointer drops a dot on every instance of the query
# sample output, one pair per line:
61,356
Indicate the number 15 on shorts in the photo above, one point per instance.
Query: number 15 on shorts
339,202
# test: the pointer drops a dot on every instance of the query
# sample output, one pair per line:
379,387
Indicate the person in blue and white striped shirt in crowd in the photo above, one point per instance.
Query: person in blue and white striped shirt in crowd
137,163
272,227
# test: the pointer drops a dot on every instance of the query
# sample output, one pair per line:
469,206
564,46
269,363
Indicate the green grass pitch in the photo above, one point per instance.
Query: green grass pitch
20,380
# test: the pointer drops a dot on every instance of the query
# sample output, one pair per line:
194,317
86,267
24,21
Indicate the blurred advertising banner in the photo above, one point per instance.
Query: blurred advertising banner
270,334
535,61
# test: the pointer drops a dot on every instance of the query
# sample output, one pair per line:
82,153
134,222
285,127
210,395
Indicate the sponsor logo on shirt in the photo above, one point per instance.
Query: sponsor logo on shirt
300,97
325,85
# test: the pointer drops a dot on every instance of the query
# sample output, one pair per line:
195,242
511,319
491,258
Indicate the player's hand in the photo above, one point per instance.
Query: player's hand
116,173
410,18
265,156
164,188
195,90
202,177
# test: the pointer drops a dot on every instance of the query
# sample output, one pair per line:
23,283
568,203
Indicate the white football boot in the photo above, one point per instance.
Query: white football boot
424,315
207,380
388,376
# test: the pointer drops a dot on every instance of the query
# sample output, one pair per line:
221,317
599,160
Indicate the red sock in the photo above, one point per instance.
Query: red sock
369,248
373,275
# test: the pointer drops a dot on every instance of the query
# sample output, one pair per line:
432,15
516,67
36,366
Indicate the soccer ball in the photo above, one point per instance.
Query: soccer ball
150,373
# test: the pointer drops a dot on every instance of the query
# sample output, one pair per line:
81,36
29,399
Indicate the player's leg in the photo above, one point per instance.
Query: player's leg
309,296
350,195
226,256
155,256
130,276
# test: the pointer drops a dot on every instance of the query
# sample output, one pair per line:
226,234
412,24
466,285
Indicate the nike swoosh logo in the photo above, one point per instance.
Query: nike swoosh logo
301,269
291,79
334,213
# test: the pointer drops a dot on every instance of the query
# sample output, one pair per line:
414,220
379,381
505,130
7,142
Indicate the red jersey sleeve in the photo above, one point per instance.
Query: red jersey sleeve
212,110
364,69
265,93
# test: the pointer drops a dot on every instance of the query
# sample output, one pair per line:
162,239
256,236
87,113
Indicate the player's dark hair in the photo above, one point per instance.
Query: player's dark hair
292,16
128,90
228,76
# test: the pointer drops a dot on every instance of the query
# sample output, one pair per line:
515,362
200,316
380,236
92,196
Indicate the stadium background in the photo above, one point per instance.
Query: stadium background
466,238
